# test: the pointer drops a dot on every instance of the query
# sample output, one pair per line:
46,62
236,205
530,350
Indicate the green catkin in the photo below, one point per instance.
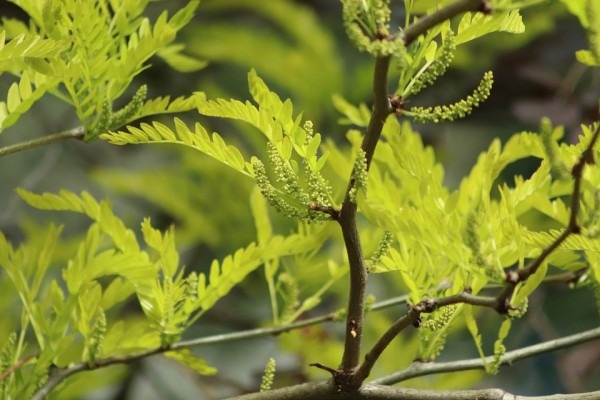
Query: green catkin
438,67
360,175
96,339
382,248
131,109
367,26
457,110
268,376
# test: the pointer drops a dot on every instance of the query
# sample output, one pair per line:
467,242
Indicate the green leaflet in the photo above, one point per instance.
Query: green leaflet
274,118
499,348
28,46
102,48
164,245
472,327
474,25
164,105
223,276
187,358
197,139
22,95
180,62
358,116
523,291
123,238
264,230
26,267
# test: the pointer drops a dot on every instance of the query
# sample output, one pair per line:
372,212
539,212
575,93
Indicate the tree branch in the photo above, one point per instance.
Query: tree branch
417,369
500,303
347,217
368,391
347,221
448,12
413,317
515,277
15,367
75,133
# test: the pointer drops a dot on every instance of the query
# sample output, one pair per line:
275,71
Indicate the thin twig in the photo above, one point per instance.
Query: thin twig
75,133
59,375
443,14
412,317
417,369
15,367
513,278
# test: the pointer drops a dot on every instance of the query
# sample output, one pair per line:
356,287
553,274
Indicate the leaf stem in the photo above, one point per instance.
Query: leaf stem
75,133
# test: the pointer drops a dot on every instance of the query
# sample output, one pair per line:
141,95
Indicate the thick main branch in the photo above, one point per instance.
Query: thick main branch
347,218
347,221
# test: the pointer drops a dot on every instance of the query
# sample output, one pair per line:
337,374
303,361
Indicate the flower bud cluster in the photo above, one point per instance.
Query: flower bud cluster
457,110
438,67
360,175
286,192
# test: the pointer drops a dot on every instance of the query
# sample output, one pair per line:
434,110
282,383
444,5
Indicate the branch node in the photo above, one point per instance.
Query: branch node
504,306
417,322
396,104
427,306
485,8
512,277
329,210
334,372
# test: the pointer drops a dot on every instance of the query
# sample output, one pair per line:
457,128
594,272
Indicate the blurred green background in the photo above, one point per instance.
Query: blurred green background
299,48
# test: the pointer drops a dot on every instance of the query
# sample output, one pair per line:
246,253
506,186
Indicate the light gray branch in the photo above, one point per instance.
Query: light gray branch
60,375
75,133
368,391
420,369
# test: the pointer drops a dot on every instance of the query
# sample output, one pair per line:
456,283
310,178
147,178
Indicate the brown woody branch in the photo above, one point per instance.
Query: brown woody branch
15,367
513,278
347,217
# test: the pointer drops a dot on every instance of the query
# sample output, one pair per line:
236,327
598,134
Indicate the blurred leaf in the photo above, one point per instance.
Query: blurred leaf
187,358
303,58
